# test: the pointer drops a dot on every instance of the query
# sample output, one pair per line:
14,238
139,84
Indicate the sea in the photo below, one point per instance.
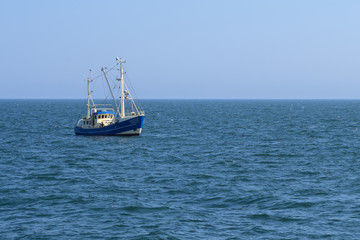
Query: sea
201,169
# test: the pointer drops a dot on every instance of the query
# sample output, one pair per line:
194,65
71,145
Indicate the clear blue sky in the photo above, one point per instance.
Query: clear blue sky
241,49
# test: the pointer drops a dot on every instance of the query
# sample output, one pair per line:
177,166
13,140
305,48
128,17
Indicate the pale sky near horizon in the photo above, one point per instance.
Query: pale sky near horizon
254,49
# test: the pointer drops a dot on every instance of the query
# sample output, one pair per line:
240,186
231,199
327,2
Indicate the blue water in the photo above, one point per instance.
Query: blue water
202,169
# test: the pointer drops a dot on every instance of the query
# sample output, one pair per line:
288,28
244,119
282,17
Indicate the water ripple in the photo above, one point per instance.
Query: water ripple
201,170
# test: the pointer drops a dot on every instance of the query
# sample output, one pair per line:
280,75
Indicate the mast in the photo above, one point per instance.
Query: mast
121,79
88,88
122,89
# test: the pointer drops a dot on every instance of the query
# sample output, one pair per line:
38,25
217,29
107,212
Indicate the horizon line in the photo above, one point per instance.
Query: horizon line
187,99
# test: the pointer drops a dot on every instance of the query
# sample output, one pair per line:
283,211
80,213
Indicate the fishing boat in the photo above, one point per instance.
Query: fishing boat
112,119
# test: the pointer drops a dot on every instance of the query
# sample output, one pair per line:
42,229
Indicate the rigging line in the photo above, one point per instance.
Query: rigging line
82,107
107,96
92,100
130,89
112,78
102,75
133,91
108,70
112,75
94,86
130,85
103,87
132,100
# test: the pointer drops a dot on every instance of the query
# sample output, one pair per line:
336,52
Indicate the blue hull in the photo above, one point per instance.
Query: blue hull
127,127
